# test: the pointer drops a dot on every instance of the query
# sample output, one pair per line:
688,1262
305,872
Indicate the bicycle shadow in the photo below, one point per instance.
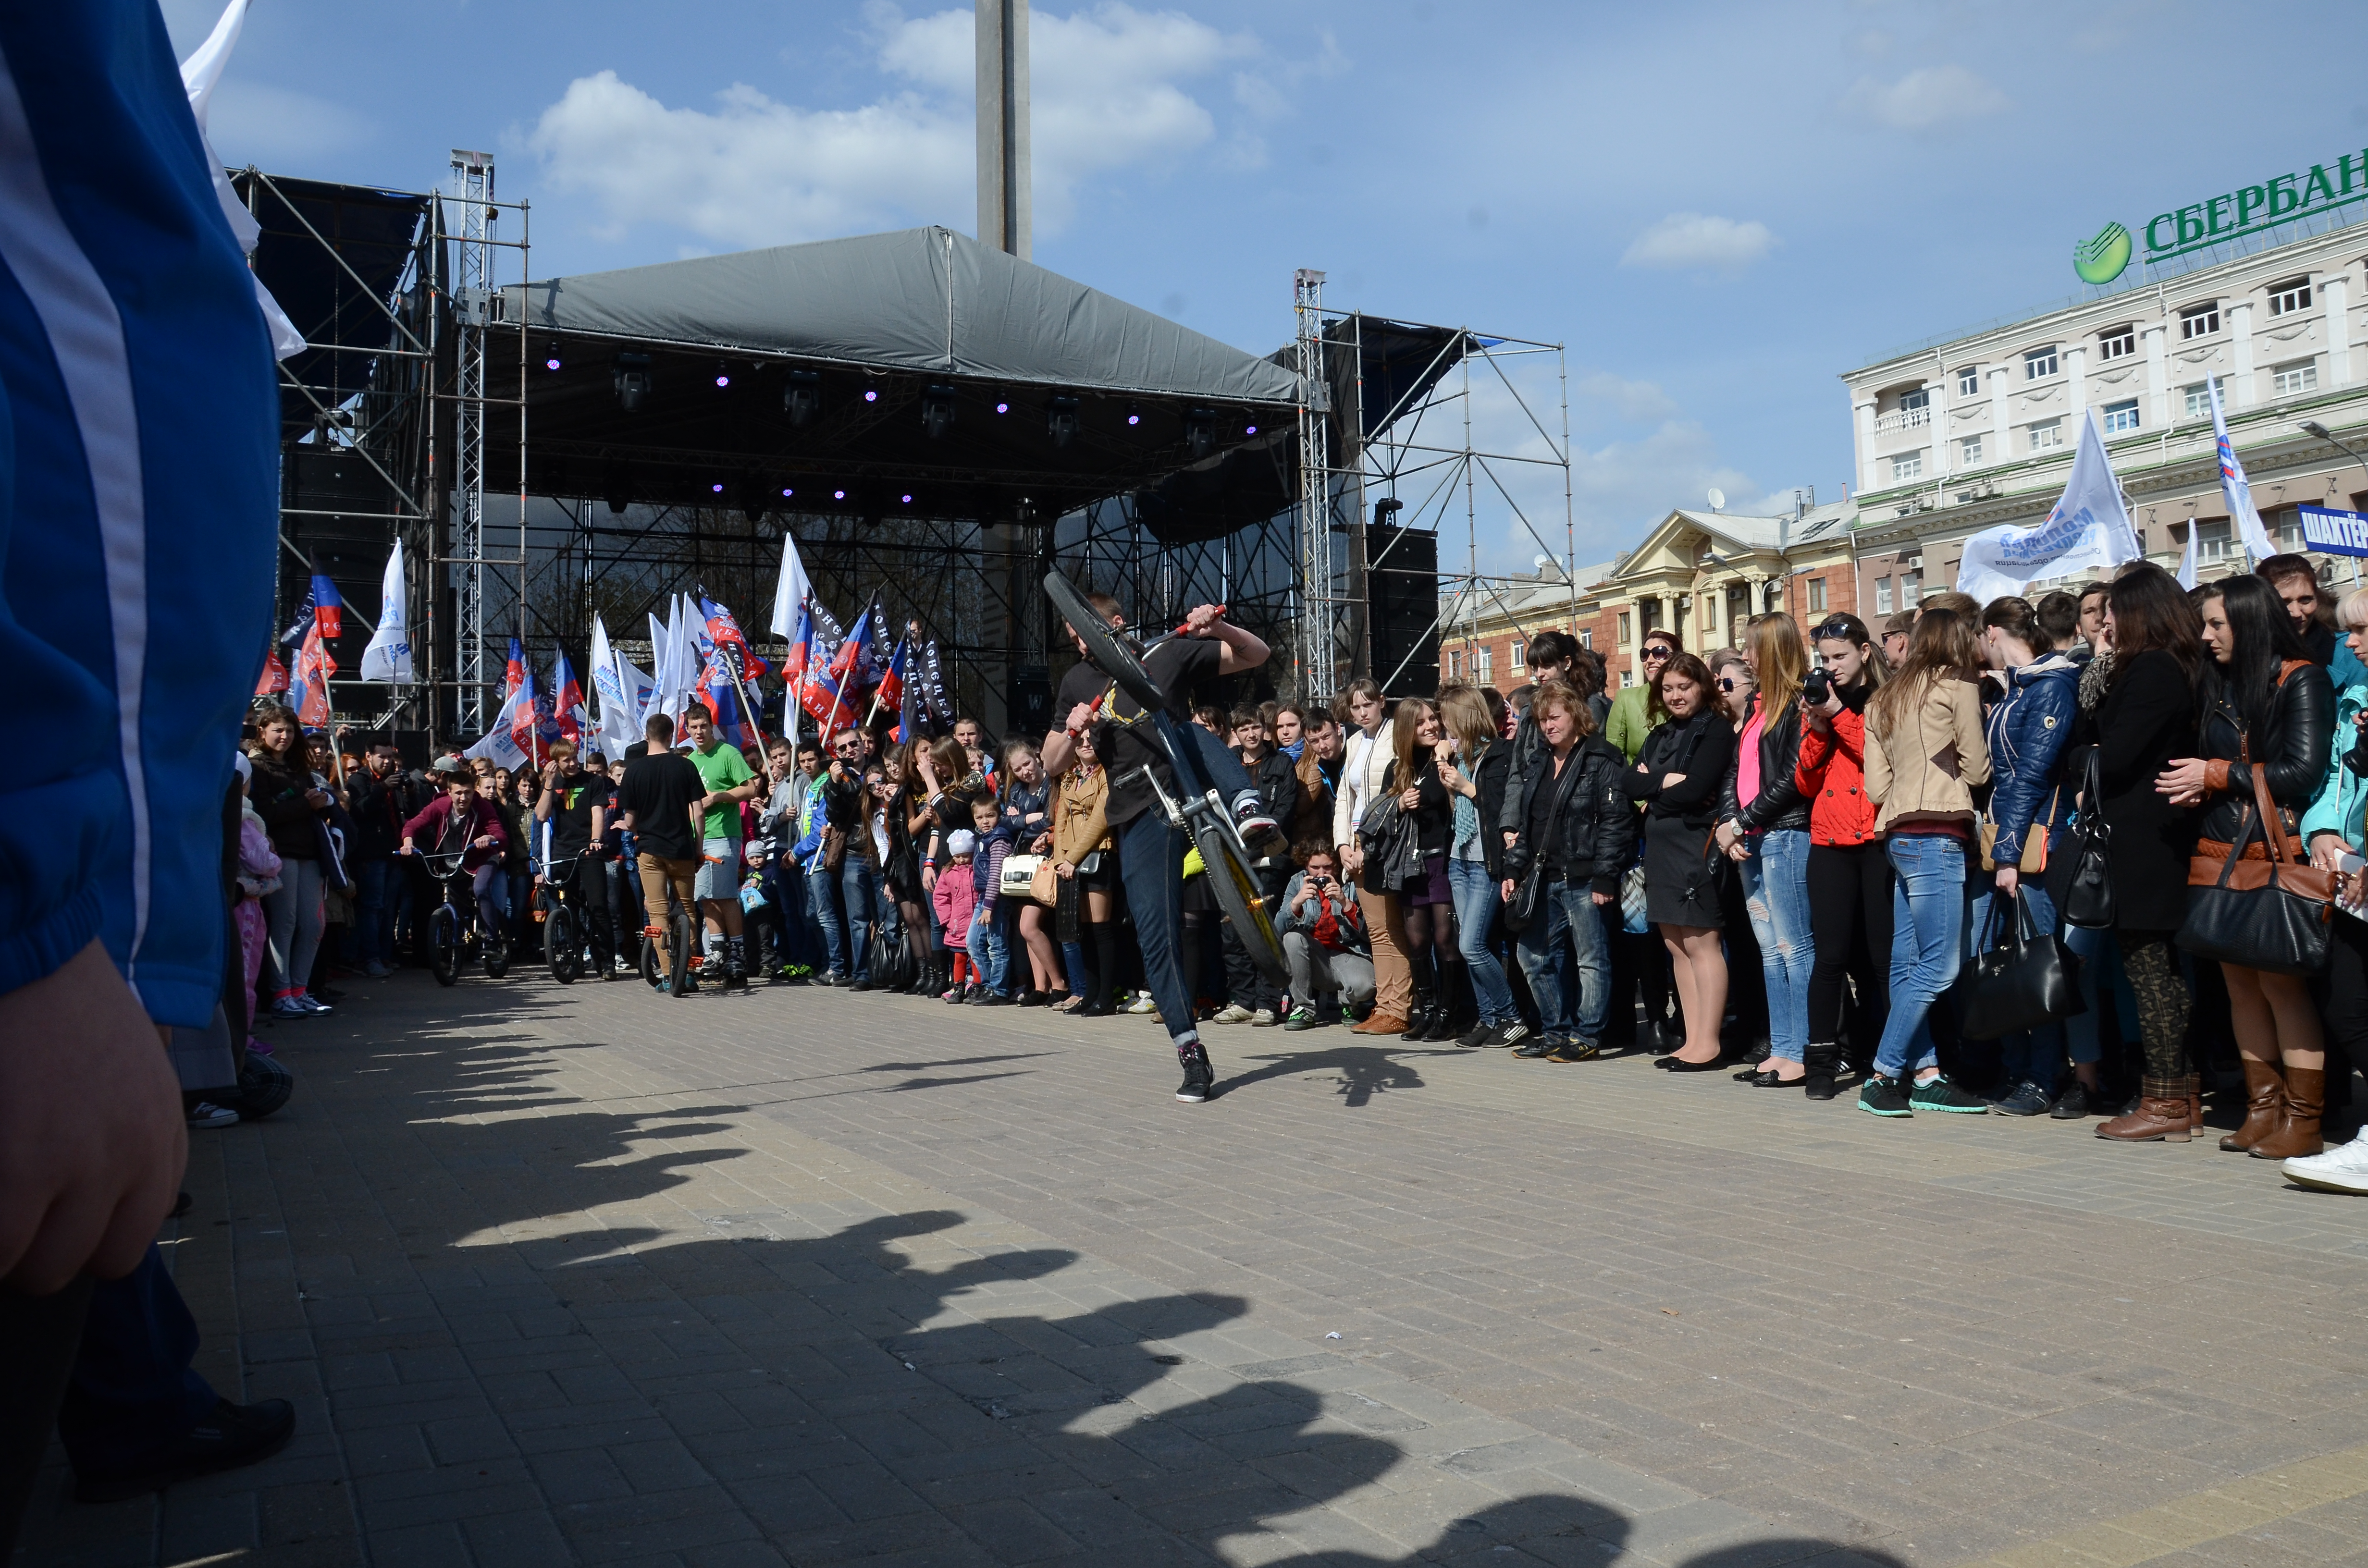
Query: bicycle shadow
1359,1071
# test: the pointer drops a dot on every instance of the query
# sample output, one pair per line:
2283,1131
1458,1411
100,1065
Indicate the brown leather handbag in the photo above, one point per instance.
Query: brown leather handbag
2275,915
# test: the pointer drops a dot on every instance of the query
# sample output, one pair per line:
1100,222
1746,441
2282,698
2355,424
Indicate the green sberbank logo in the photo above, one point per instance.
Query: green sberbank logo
2248,209
2103,255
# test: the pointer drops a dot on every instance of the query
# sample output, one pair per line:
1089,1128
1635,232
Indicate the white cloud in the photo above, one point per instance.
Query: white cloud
1687,240
1636,402
256,122
1105,95
1932,99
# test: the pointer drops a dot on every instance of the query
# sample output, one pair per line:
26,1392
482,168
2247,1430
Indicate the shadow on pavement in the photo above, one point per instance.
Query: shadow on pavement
1360,1072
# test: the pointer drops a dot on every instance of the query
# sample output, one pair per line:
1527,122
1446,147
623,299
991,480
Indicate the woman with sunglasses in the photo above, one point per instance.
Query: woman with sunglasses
1849,879
1679,776
1764,828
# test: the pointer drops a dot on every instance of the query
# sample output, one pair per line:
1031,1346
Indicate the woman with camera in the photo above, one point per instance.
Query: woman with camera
1764,827
1849,879
2269,716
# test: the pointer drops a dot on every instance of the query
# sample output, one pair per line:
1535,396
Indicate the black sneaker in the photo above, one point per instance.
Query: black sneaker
228,1436
1508,1035
1476,1036
1884,1097
1199,1080
983,997
1536,1046
2023,1099
1575,1051
1939,1094
2072,1105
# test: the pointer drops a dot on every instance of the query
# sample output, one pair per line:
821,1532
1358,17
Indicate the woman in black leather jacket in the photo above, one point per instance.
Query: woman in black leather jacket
1678,775
1763,825
2269,715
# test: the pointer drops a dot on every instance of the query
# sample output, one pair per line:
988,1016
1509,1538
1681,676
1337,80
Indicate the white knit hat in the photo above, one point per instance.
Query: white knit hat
962,841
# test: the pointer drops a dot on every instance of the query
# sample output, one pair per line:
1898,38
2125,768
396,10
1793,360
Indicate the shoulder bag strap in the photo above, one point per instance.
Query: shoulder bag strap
2281,851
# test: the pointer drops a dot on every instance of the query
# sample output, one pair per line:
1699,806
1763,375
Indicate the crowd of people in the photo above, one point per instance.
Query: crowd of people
1777,859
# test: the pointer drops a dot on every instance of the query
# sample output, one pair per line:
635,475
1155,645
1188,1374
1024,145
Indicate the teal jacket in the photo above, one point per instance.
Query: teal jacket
2338,807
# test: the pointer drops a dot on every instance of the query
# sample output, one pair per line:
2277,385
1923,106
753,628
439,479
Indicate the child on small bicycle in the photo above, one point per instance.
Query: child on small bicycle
460,820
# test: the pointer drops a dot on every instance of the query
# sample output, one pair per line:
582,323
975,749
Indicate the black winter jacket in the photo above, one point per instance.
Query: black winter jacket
1277,778
1779,805
2146,721
1702,746
2292,753
1595,832
1494,777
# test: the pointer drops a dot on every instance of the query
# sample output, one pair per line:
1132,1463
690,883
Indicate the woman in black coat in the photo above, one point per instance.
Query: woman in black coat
1679,775
2145,720
1427,921
1577,834
2269,719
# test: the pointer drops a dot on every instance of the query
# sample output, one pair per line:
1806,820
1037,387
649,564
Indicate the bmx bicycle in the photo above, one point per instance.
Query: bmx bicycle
1195,808
563,928
673,972
453,935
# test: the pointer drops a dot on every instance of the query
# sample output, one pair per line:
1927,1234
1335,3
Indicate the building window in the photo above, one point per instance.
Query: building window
2117,343
2039,363
1627,677
2290,381
1586,638
1480,665
1969,382
1911,588
1882,595
2199,321
1514,652
1910,402
1710,612
1626,634
2211,542
2199,400
1969,451
1455,665
2121,416
2290,299
1908,465
2047,435
1816,596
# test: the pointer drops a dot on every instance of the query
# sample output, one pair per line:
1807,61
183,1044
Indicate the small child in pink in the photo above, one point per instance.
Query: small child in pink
952,899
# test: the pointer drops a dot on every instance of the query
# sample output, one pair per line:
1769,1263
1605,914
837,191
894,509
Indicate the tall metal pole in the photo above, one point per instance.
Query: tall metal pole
1004,202
1319,599
473,188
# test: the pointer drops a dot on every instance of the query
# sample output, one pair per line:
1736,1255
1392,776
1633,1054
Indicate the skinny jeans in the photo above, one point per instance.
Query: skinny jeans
1850,905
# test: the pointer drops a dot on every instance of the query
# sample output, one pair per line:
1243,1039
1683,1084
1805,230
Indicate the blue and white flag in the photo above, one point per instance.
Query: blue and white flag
2089,529
388,657
2234,489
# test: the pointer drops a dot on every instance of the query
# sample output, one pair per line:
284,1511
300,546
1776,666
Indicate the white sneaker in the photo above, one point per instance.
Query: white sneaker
310,1006
289,1008
2340,1169
1264,1018
1232,1013
206,1114
1142,1003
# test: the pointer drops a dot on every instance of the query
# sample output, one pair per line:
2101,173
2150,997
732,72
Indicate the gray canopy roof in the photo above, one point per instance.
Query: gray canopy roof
924,299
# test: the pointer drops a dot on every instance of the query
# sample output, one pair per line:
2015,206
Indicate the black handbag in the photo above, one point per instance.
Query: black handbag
1529,898
892,961
2275,915
2020,983
2085,894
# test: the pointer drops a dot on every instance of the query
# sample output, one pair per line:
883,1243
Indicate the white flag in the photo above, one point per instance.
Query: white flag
618,724
499,744
2089,529
791,590
2187,557
388,657
199,74
2234,489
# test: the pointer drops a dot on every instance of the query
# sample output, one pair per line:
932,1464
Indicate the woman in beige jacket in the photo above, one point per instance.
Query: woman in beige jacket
1082,858
1925,752
1368,759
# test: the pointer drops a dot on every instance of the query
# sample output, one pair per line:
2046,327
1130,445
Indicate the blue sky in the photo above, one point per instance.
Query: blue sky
1718,207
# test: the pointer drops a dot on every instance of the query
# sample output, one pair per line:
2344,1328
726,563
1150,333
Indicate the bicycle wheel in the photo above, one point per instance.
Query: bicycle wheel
653,973
562,949
1115,659
444,945
682,934
1243,898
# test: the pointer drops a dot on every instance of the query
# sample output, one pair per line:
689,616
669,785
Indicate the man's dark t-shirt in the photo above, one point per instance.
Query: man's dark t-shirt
659,790
1124,746
572,801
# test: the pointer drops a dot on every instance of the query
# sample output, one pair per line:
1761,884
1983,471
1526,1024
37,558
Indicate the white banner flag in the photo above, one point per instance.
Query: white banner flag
499,744
620,724
2088,529
791,590
388,657
2234,489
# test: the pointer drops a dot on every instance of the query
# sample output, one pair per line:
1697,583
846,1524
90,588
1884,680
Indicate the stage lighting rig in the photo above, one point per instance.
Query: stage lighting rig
1200,432
1134,415
551,357
722,374
1061,418
633,380
802,397
938,410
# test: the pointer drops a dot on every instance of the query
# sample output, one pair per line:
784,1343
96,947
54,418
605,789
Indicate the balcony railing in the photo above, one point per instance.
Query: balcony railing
1902,419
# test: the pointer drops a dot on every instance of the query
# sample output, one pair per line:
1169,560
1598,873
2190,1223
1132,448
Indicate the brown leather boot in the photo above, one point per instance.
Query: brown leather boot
1380,1023
2265,1102
2297,1130
2161,1116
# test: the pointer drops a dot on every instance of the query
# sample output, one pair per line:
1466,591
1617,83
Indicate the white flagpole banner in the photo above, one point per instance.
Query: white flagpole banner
791,590
2234,488
620,721
2089,529
388,657
498,744
2187,557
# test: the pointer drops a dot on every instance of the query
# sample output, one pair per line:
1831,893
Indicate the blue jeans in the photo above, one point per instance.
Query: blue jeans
989,953
822,908
1151,863
858,891
1476,901
374,882
1928,939
2028,1056
2102,983
1569,907
1776,896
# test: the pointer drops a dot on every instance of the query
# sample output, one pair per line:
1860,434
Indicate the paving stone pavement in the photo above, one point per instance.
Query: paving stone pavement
587,1276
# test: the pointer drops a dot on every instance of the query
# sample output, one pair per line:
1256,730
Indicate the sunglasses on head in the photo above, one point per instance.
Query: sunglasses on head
1835,630
1655,651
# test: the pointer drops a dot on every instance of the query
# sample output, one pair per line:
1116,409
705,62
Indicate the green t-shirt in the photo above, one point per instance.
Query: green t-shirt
722,767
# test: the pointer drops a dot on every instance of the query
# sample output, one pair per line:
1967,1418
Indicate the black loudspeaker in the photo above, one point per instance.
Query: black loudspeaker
1402,584
1031,704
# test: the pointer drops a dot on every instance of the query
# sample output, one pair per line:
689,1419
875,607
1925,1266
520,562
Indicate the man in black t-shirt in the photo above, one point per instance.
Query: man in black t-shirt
658,802
570,823
1151,854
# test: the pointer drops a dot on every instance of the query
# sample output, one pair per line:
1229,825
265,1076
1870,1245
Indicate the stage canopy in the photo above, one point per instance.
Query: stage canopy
915,373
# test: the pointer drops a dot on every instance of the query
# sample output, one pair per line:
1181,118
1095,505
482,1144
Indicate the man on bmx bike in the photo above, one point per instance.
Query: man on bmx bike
1172,786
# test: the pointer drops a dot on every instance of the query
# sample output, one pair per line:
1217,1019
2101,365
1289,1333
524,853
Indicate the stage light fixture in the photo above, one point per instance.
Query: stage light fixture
1001,406
617,487
716,488
872,394
550,359
839,494
802,396
1061,418
1200,432
787,492
938,410
633,381
722,375
1134,415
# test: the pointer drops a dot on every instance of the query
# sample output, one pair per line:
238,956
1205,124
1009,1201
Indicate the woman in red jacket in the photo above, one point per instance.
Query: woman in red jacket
1850,880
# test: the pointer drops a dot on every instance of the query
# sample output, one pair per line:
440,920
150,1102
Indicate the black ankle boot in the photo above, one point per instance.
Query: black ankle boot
1418,1020
1821,1058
